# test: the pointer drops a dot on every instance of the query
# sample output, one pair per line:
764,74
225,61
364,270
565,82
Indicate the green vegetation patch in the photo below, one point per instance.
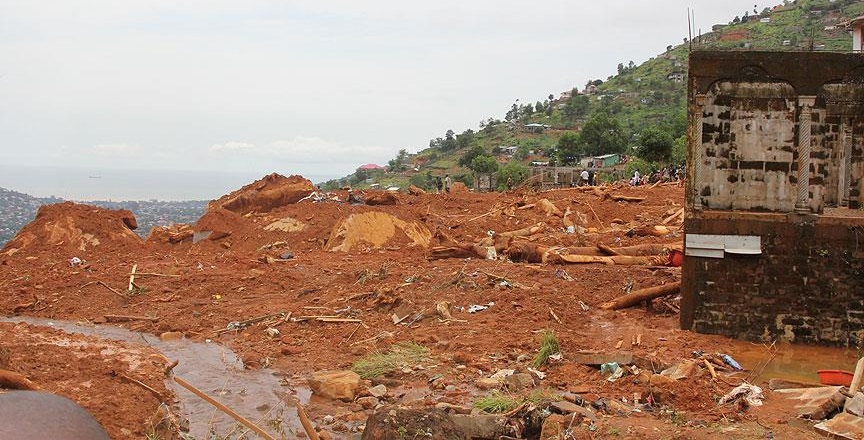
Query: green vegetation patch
401,355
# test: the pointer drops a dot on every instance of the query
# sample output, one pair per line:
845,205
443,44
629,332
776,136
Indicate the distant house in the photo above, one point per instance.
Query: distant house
371,167
606,160
590,89
676,76
566,95
857,26
511,150
537,128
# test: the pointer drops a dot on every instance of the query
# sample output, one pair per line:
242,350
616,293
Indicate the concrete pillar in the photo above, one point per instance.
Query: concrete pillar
698,149
846,163
805,117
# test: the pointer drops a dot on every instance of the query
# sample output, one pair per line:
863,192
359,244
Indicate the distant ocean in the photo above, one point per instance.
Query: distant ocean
119,185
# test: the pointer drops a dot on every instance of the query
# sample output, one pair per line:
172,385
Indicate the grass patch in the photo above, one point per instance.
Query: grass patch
401,355
497,403
548,346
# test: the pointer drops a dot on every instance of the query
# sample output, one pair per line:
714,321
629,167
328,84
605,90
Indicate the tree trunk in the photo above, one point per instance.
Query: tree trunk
638,296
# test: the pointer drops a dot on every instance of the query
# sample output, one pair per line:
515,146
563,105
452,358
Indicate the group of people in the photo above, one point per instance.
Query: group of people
667,174
444,184
587,177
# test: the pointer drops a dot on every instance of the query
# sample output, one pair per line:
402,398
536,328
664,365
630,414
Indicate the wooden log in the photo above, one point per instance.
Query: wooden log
679,213
304,420
638,296
132,277
524,232
461,251
607,250
16,381
245,422
584,259
654,231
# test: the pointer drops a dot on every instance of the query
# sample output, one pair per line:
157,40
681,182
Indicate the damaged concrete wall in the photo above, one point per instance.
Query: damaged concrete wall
803,288
756,121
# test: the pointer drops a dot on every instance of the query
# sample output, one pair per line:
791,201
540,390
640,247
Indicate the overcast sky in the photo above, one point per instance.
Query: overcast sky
314,87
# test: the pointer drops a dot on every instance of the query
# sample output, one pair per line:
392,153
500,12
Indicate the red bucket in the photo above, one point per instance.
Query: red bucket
835,377
675,258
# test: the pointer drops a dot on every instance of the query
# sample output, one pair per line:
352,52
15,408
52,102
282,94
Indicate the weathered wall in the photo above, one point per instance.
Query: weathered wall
804,288
746,110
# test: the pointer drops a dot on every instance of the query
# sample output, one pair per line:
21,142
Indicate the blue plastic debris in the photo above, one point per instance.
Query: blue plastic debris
731,362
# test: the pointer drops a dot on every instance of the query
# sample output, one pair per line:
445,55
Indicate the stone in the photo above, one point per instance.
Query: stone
171,336
480,426
336,385
272,332
814,403
378,391
395,423
855,405
564,407
287,255
368,402
682,370
486,383
843,425
518,382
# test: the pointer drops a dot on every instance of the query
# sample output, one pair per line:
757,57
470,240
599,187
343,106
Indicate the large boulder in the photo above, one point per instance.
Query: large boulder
336,385
394,423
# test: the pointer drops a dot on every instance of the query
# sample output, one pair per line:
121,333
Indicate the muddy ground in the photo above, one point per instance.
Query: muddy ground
368,268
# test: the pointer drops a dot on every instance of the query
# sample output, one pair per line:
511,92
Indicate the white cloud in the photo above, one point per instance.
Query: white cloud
232,146
303,149
116,150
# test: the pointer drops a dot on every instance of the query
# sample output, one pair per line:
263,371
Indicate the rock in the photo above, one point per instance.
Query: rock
814,403
856,405
843,425
480,426
336,385
486,383
518,382
328,419
394,423
415,190
368,402
682,370
564,407
171,336
272,332
378,391
383,198
287,255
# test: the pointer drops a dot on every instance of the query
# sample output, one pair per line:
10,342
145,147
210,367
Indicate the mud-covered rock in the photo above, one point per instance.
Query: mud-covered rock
336,385
394,423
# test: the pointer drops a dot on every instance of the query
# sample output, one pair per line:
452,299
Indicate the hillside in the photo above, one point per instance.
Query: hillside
641,104
19,209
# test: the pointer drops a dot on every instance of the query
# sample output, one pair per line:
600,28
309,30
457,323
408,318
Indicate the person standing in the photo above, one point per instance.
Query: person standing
583,177
439,185
447,183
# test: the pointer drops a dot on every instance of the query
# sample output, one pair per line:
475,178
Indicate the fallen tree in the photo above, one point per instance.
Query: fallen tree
637,296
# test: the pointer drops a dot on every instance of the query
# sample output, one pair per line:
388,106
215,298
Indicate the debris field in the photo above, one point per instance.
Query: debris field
520,314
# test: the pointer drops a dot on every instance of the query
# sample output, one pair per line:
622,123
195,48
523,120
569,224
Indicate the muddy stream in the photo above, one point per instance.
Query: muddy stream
259,395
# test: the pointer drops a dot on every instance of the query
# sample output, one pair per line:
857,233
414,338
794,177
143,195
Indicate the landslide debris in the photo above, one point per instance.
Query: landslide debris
375,229
69,228
265,195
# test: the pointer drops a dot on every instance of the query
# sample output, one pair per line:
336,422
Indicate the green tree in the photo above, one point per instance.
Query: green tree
679,150
484,164
398,163
449,142
512,171
603,134
576,106
469,155
465,139
570,148
521,152
538,107
654,144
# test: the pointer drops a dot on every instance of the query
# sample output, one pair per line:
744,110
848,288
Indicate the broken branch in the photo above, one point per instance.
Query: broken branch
638,296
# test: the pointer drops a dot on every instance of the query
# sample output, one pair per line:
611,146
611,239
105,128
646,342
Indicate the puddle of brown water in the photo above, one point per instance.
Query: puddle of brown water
793,362
258,395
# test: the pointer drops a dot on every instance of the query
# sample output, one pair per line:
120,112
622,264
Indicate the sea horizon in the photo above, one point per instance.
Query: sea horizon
113,184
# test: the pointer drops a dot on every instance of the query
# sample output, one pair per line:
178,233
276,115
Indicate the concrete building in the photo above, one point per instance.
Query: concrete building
857,26
774,239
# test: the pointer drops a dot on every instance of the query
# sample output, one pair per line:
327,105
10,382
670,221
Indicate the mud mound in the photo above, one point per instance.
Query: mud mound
264,195
382,198
176,233
375,229
71,228
458,187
